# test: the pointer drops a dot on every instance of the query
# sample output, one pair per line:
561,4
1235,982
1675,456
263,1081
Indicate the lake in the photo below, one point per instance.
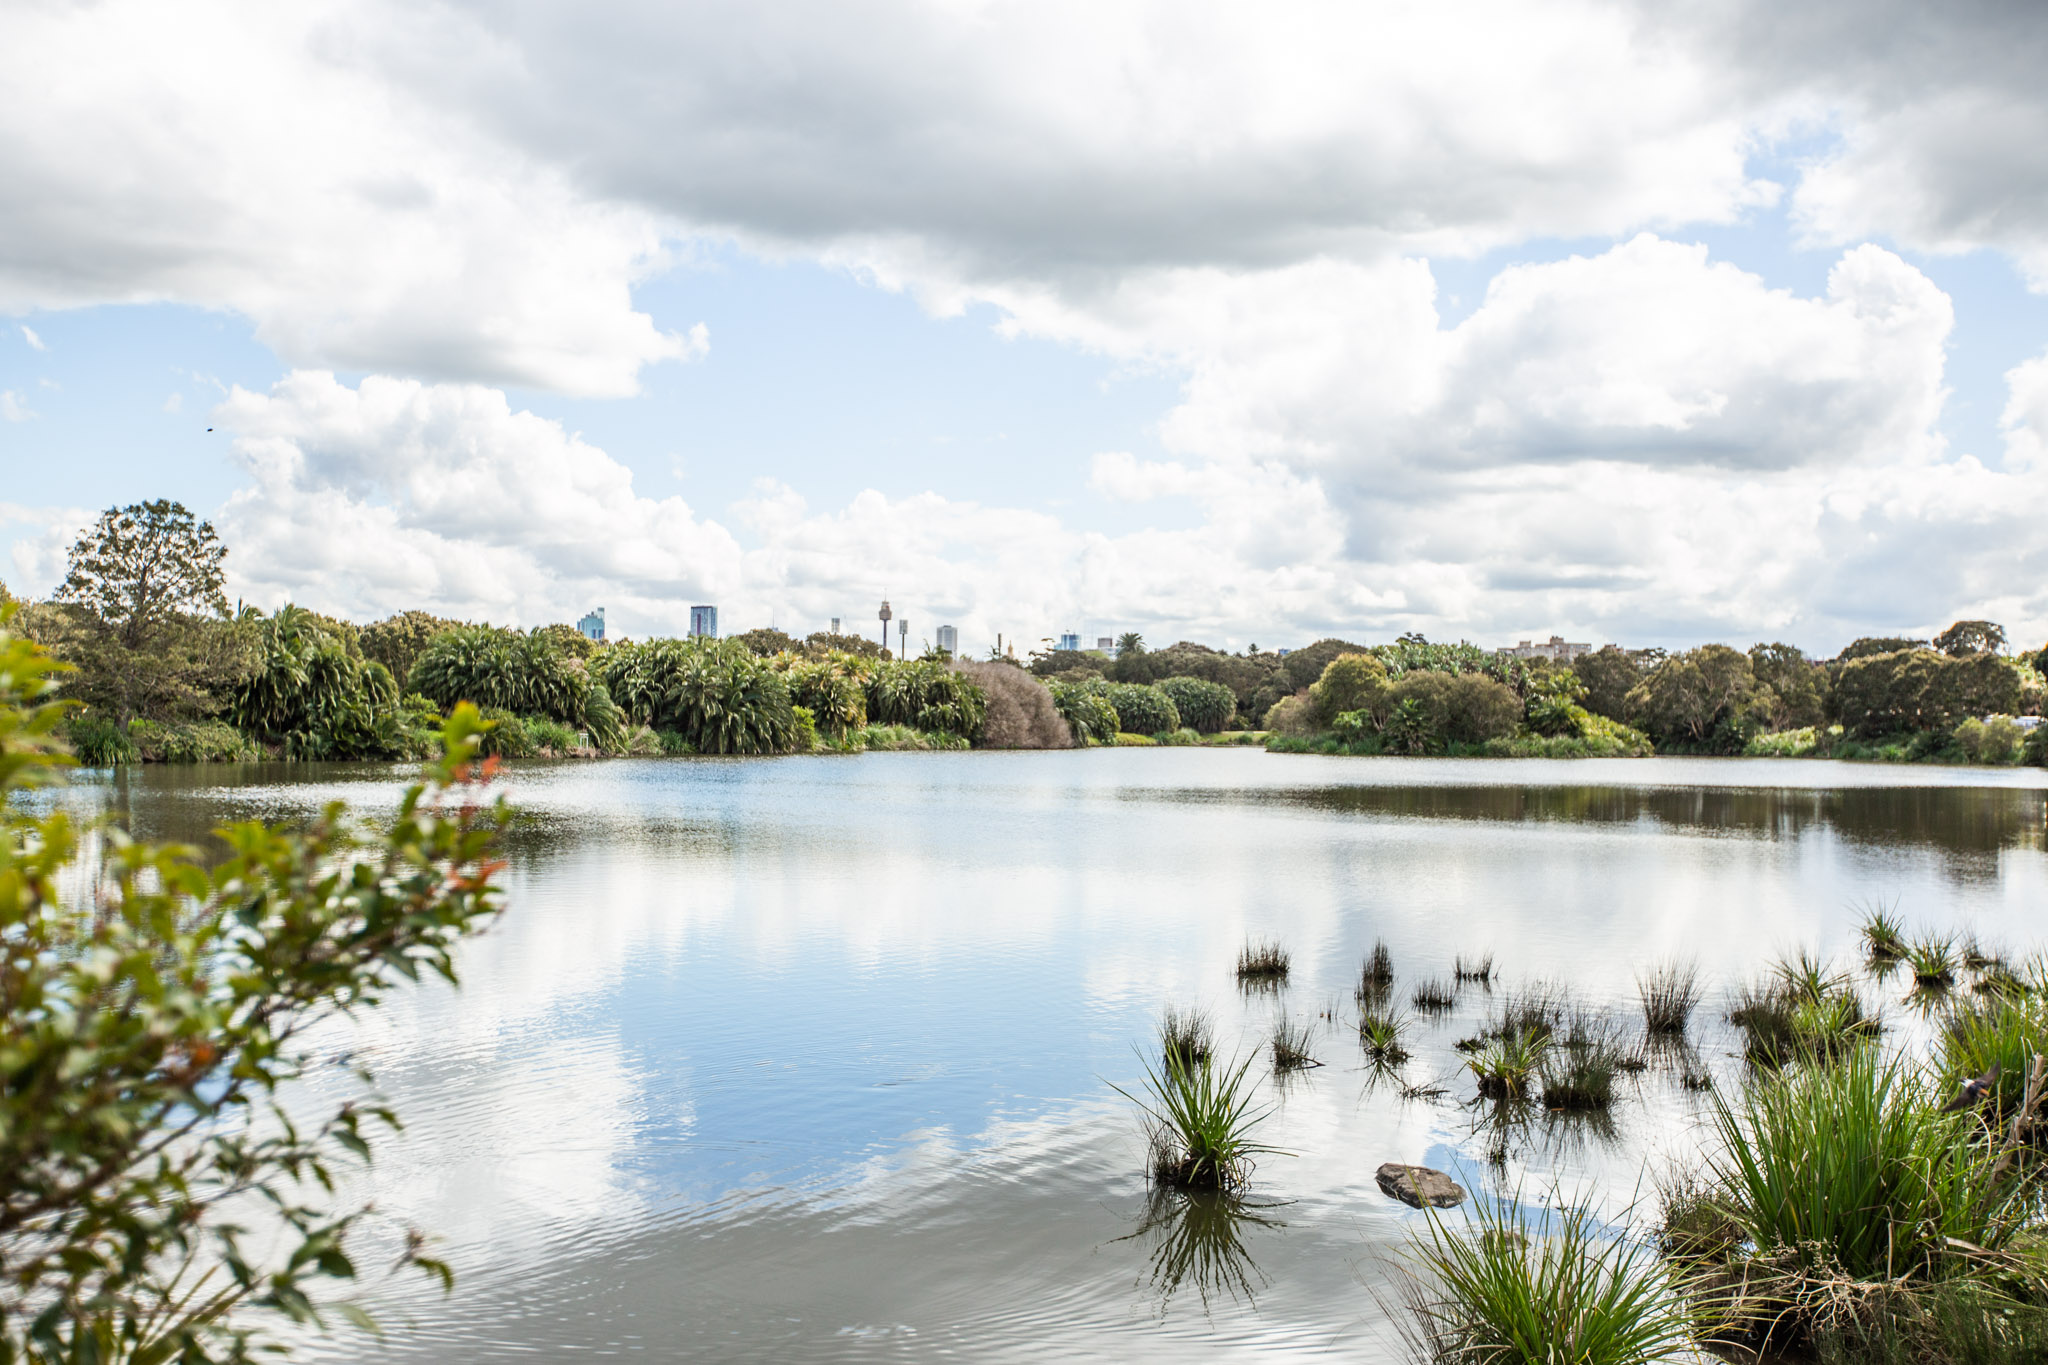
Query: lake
810,1058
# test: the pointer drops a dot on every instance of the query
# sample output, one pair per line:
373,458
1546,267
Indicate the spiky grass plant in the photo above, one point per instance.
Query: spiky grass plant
1379,1031
1186,1036
1933,962
1291,1044
1200,1119
1506,1064
1804,1008
1513,1287
1540,1007
1262,961
1579,1066
2001,1031
1434,996
1377,975
1476,970
1884,936
1669,992
1852,1170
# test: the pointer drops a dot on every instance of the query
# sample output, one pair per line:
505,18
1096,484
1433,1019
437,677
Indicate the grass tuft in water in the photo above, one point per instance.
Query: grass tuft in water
1506,1064
1579,1066
1263,961
1933,962
1434,996
1803,1009
1884,936
1477,970
1380,1033
1377,975
1669,992
1511,1286
1290,1046
1186,1036
1200,1120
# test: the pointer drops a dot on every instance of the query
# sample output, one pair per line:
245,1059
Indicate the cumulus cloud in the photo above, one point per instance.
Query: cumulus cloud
243,156
2025,420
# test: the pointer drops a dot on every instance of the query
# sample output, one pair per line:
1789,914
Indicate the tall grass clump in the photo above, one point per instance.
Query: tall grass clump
1262,961
1377,975
1186,1037
1884,937
1506,1063
1579,1067
1434,996
1200,1119
1510,1288
1291,1043
1477,970
1669,992
1851,1171
1803,1009
1379,1031
2005,1032
1933,962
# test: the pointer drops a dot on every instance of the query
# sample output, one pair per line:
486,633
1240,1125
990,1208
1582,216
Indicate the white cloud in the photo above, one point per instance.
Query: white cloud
35,342
175,403
246,156
12,409
2025,420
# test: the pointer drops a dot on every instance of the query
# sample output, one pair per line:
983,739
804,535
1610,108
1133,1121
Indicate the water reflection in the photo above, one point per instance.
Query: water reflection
1198,1239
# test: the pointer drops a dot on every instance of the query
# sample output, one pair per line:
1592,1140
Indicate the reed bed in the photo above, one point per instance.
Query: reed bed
1434,996
1262,961
1477,971
1670,991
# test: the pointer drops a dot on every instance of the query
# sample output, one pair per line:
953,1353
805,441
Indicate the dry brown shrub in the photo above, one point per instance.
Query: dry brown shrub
1020,710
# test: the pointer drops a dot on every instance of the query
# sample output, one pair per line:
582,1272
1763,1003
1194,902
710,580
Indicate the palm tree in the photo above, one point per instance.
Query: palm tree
1130,642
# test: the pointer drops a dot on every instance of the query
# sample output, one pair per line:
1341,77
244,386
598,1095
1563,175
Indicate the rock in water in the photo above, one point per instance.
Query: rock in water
1419,1185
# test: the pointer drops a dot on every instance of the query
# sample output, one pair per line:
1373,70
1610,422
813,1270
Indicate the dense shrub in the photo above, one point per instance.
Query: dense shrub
925,695
1303,666
314,697
1551,702
190,742
1142,710
1295,715
1608,674
1019,711
1350,682
1704,698
1996,740
398,641
1918,689
1431,711
1204,707
1089,716
508,669
717,694
100,742
831,688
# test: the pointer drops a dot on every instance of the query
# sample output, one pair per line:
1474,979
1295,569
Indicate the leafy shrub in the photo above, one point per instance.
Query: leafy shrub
1351,682
1019,711
1292,716
1204,707
1550,702
1431,711
717,694
1995,741
508,736
398,641
1142,709
1089,716
1801,743
550,735
314,697
925,695
199,742
831,688
509,669
100,743
803,729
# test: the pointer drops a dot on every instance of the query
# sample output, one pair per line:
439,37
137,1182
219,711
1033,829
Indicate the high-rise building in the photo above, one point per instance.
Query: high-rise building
704,621
835,625
1070,640
1106,644
592,625
949,640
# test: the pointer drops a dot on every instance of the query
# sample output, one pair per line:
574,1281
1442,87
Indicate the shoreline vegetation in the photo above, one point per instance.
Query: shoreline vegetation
163,670
1867,1190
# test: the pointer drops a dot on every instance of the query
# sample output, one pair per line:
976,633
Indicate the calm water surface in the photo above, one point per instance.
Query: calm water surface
808,1059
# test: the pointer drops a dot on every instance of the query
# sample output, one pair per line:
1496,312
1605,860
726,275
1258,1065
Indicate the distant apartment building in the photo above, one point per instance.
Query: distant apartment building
835,625
1071,640
1106,644
949,640
1557,649
704,621
592,625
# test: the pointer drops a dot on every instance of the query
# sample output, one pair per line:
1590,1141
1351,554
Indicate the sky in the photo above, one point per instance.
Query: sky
1487,319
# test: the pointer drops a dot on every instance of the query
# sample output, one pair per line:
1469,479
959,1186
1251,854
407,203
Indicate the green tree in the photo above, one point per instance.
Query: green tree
398,641
1690,698
1204,706
766,641
1142,709
1971,637
154,1193
1910,690
1799,688
1303,666
1350,682
1608,673
142,616
1872,645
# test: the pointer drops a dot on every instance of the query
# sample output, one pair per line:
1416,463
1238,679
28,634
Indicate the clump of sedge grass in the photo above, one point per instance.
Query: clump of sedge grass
1434,996
1579,1067
1804,1009
1186,1036
1669,992
1477,970
1263,961
1505,1064
1884,937
1511,1287
1537,1008
1380,1033
2004,1032
1200,1120
1290,1046
1933,962
1377,975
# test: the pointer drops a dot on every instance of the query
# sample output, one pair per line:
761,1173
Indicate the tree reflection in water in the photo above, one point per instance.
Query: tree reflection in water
1198,1239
